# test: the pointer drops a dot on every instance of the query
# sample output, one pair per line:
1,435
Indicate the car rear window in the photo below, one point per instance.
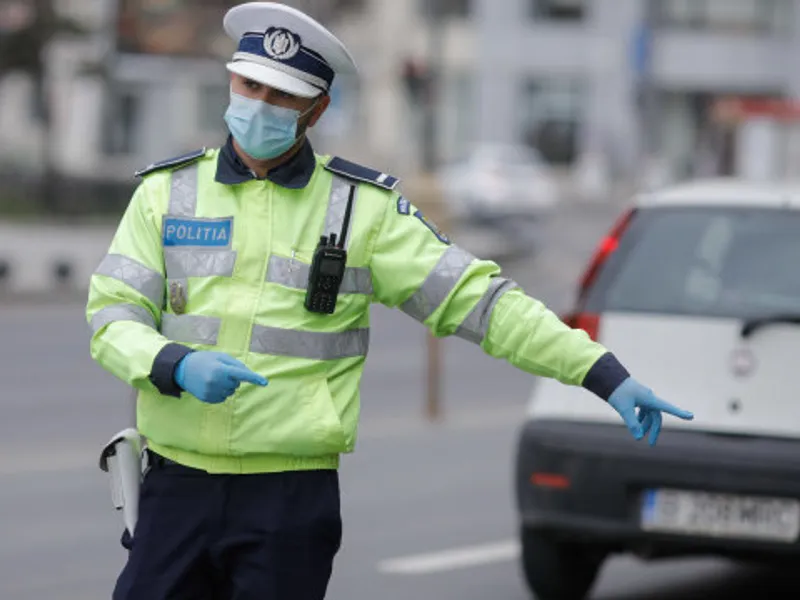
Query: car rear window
726,262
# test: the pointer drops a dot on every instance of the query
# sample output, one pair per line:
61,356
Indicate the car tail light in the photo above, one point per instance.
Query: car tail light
554,481
605,248
590,322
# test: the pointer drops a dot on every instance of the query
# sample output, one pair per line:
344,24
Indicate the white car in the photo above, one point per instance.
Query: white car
697,291
499,182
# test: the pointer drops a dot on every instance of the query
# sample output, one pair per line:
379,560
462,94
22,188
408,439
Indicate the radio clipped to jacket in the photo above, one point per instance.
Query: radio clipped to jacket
327,268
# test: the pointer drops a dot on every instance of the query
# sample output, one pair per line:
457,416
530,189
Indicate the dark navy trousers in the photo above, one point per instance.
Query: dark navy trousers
232,537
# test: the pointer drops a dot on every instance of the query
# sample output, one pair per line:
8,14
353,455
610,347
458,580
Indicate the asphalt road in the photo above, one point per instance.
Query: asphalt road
427,508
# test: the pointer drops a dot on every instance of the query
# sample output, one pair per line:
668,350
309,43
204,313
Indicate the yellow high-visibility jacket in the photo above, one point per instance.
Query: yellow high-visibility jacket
199,263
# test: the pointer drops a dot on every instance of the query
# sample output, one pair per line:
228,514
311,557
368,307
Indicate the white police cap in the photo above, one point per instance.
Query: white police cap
284,48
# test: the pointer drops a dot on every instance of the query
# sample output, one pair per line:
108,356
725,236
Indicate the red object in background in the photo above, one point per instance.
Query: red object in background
605,248
550,480
590,322
417,79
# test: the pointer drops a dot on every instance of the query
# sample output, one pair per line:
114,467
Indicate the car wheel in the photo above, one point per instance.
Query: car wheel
556,570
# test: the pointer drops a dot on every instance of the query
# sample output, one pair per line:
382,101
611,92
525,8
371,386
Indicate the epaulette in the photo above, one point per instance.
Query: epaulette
345,168
171,163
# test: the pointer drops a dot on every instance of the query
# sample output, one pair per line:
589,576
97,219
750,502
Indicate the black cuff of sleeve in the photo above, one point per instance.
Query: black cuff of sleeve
163,370
605,376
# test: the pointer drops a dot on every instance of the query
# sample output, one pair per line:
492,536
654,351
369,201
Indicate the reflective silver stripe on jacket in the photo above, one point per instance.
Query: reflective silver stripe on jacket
337,205
146,281
183,192
315,345
182,203
476,325
122,312
191,329
438,284
294,274
181,263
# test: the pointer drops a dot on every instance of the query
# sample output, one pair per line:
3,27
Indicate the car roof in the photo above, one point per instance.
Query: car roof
730,191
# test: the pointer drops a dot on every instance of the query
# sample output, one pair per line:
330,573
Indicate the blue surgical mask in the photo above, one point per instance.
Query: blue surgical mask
262,130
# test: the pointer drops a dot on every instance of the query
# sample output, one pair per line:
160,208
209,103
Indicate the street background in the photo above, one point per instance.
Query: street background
592,100
427,507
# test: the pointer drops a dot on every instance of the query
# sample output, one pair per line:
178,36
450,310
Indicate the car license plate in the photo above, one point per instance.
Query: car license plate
720,515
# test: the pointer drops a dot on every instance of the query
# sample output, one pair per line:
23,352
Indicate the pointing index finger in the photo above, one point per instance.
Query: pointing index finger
659,404
245,374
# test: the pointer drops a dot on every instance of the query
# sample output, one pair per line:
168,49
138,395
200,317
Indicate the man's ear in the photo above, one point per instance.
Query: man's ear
319,109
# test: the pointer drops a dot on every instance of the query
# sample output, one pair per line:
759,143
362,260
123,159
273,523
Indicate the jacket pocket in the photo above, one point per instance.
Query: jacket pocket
325,429
293,415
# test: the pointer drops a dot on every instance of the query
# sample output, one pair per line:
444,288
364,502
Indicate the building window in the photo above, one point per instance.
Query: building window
329,10
747,16
459,9
39,105
349,5
558,10
552,111
122,122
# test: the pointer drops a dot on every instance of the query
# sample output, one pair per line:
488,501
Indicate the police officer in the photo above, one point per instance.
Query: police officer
235,299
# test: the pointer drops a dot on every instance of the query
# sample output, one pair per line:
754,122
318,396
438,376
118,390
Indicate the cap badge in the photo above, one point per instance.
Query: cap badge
281,44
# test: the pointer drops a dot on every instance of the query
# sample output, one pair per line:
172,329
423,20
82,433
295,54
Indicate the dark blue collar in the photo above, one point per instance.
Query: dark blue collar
294,174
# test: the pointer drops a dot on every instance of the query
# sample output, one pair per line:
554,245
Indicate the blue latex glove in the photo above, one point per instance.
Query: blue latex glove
631,395
213,376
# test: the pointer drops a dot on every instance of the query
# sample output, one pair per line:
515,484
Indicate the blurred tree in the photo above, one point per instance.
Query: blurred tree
22,48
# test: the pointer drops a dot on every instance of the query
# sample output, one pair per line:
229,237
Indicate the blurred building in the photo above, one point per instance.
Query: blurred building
629,79
147,80
620,79
144,80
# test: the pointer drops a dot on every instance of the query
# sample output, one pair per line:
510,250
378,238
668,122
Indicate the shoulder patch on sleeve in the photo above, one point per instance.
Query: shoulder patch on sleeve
403,205
171,163
346,168
440,235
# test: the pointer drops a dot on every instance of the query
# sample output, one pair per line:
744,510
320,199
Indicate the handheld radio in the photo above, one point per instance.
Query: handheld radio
327,267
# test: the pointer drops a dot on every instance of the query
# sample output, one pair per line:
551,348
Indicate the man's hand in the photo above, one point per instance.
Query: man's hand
213,376
632,395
